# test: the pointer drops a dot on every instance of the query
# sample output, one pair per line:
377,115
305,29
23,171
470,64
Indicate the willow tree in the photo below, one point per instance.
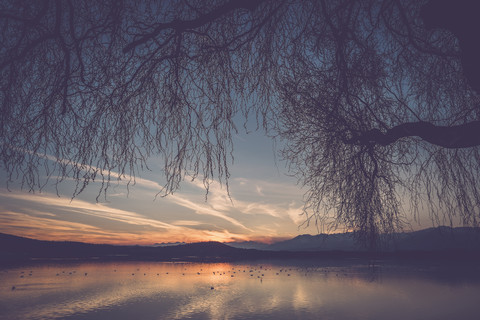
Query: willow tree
376,102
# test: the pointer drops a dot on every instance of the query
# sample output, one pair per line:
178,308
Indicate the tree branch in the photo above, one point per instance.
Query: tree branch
180,25
461,136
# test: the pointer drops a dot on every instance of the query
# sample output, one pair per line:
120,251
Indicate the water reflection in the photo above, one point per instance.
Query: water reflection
137,290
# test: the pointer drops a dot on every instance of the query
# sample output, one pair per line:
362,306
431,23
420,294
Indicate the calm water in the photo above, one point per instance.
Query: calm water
139,290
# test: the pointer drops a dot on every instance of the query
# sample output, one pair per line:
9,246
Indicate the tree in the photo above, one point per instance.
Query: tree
374,101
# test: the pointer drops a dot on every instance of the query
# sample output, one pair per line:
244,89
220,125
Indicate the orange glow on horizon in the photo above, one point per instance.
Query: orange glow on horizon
140,239
51,218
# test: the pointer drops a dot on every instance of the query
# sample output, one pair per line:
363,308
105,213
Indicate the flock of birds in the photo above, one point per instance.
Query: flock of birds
258,272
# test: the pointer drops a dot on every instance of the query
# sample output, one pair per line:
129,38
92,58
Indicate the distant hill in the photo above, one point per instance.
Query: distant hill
443,242
433,239
248,245
168,244
321,242
441,238
18,248
13,248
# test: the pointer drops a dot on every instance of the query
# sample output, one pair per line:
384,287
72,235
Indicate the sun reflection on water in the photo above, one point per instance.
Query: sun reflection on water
152,290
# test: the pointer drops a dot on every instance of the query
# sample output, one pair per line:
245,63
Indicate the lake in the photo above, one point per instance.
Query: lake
252,290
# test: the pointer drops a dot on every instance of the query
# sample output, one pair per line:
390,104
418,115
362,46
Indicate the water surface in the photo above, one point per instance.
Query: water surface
280,290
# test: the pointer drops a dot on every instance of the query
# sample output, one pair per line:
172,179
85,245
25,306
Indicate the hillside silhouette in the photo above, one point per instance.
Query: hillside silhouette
431,239
439,243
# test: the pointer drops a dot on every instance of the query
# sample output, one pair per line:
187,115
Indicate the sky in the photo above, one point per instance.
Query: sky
265,205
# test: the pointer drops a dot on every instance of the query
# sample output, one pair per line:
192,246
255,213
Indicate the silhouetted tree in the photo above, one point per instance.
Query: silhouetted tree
376,102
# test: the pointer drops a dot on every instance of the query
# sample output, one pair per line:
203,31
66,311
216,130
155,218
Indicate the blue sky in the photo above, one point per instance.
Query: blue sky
265,204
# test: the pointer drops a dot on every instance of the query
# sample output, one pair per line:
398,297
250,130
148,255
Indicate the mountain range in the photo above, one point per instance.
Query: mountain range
435,242
432,239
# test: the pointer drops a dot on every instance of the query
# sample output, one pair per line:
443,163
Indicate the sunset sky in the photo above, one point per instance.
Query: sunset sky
265,205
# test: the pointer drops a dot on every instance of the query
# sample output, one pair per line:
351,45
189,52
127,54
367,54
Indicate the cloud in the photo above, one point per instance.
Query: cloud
259,191
295,213
206,209
226,235
45,228
91,209
257,216
187,223
46,216
255,209
260,208
271,189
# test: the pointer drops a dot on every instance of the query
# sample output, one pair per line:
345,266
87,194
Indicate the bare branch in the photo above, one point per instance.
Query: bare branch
91,90
180,25
461,136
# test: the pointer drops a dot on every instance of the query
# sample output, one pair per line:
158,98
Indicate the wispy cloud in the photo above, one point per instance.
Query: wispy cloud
91,209
46,216
295,212
255,215
45,228
206,209
259,190
255,209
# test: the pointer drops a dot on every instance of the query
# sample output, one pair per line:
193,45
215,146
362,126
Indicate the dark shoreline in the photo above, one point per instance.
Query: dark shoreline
18,249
